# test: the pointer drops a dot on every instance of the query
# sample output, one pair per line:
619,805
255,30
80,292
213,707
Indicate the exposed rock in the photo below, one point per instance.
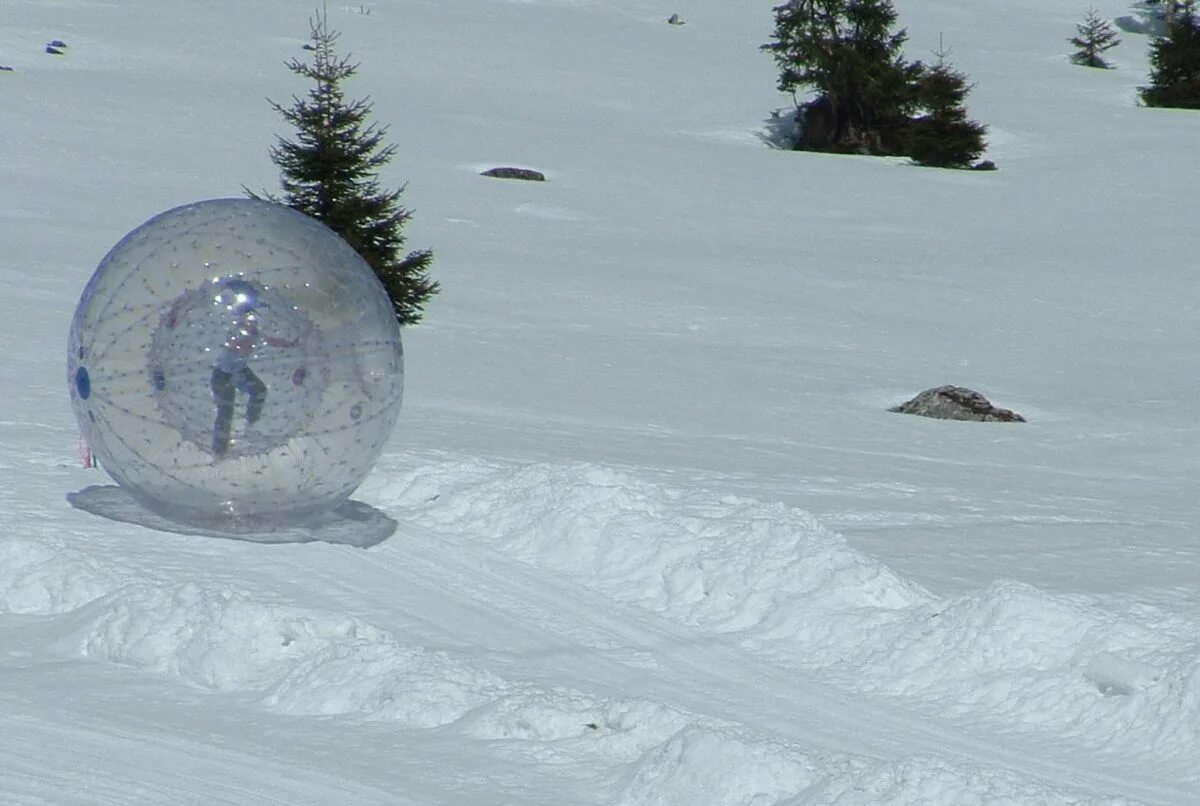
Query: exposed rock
957,403
516,173
675,19
985,165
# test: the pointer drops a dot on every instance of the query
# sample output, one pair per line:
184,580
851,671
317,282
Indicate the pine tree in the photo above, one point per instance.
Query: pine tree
944,136
848,53
1095,35
1175,63
1169,9
330,172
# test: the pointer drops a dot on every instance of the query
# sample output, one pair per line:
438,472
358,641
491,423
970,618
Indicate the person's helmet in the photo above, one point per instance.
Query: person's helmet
238,296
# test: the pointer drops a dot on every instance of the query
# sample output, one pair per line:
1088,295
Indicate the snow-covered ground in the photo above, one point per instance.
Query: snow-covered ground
660,541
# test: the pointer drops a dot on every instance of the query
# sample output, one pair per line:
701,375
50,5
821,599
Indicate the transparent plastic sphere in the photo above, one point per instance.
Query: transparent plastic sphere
235,364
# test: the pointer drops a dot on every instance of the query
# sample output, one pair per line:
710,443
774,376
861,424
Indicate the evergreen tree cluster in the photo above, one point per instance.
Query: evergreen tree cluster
330,172
1174,55
1175,62
869,99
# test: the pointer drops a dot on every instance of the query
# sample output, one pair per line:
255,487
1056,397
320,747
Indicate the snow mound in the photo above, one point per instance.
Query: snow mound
719,768
720,563
917,781
1019,657
722,767
1009,655
298,661
46,577
379,679
570,723
1007,627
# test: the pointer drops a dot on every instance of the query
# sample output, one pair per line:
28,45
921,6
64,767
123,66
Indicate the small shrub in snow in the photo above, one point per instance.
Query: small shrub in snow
1094,36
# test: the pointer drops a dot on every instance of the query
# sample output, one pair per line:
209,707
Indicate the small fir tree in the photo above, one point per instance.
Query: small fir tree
330,172
848,53
1175,63
1095,36
944,137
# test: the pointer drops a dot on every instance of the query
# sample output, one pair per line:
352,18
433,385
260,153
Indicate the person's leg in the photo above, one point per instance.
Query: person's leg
223,392
253,386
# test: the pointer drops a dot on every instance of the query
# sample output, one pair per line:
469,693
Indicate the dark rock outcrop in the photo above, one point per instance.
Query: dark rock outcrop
957,403
516,173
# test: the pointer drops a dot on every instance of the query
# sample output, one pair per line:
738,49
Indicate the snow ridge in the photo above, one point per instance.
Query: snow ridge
303,662
297,661
45,576
725,564
1009,654
722,768
768,577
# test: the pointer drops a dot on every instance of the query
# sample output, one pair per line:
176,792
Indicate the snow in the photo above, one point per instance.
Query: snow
660,541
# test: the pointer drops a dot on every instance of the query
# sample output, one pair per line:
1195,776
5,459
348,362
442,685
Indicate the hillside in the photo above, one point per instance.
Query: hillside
660,541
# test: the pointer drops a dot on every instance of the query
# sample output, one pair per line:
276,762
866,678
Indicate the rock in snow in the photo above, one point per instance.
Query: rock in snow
515,173
957,403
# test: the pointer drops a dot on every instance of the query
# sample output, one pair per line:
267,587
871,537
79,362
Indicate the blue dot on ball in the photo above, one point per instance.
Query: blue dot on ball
83,383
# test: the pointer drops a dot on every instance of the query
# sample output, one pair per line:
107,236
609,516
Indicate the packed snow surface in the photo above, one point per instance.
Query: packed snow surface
660,541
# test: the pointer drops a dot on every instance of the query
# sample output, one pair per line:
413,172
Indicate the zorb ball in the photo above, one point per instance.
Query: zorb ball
235,365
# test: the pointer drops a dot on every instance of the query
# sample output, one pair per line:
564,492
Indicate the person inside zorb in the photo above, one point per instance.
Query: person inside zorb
232,372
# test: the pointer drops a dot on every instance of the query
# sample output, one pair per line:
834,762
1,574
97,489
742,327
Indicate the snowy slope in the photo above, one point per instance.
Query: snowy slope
660,541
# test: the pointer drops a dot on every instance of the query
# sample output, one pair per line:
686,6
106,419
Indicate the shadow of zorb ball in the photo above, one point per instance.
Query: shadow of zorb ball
234,364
